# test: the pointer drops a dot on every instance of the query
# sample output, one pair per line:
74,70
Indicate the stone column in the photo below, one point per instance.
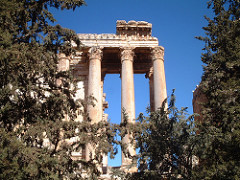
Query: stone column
128,99
63,65
105,156
95,84
160,90
94,90
149,75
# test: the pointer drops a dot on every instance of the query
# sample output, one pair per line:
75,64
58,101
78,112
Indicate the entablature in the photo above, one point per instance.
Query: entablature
113,40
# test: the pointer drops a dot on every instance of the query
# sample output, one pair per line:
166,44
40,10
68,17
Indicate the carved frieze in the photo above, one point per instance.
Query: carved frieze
157,53
97,36
134,28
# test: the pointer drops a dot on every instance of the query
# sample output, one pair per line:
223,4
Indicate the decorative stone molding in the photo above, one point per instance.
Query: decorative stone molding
98,36
158,53
95,53
112,40
134,28
133,23
127,54
101,38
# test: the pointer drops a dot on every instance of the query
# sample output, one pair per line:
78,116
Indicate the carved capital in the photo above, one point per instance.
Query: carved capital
127,54
158,53
95,53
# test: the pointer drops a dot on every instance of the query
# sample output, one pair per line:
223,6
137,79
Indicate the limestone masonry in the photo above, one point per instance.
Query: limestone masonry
131,50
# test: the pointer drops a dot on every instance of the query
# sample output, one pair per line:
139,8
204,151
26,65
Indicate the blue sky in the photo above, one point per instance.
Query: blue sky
176,23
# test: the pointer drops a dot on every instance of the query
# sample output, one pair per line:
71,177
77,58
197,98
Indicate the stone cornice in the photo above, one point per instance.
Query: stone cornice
113,40
136,28
114,36
132,23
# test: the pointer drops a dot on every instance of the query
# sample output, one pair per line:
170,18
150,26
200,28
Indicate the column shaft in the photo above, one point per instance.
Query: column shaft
151,89
94,85
94,90
160,90
105,156
128,99
63,65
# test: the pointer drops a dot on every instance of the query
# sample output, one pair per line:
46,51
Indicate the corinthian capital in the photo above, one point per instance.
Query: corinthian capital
127,54
95,53
157,53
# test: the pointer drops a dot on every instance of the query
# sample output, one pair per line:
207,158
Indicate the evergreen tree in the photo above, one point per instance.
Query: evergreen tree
219,130
35,141
165,141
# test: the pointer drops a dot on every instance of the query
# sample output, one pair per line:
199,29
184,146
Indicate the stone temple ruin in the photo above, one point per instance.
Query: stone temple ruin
131,50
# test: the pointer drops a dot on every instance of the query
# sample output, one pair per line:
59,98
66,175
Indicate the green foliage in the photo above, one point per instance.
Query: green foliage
219,137
37,129
170,146
165,141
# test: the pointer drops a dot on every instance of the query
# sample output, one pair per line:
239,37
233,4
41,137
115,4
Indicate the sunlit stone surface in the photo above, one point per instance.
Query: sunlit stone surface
132,50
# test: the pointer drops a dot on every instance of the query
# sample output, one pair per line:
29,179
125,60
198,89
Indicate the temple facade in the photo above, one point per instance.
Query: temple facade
132,50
